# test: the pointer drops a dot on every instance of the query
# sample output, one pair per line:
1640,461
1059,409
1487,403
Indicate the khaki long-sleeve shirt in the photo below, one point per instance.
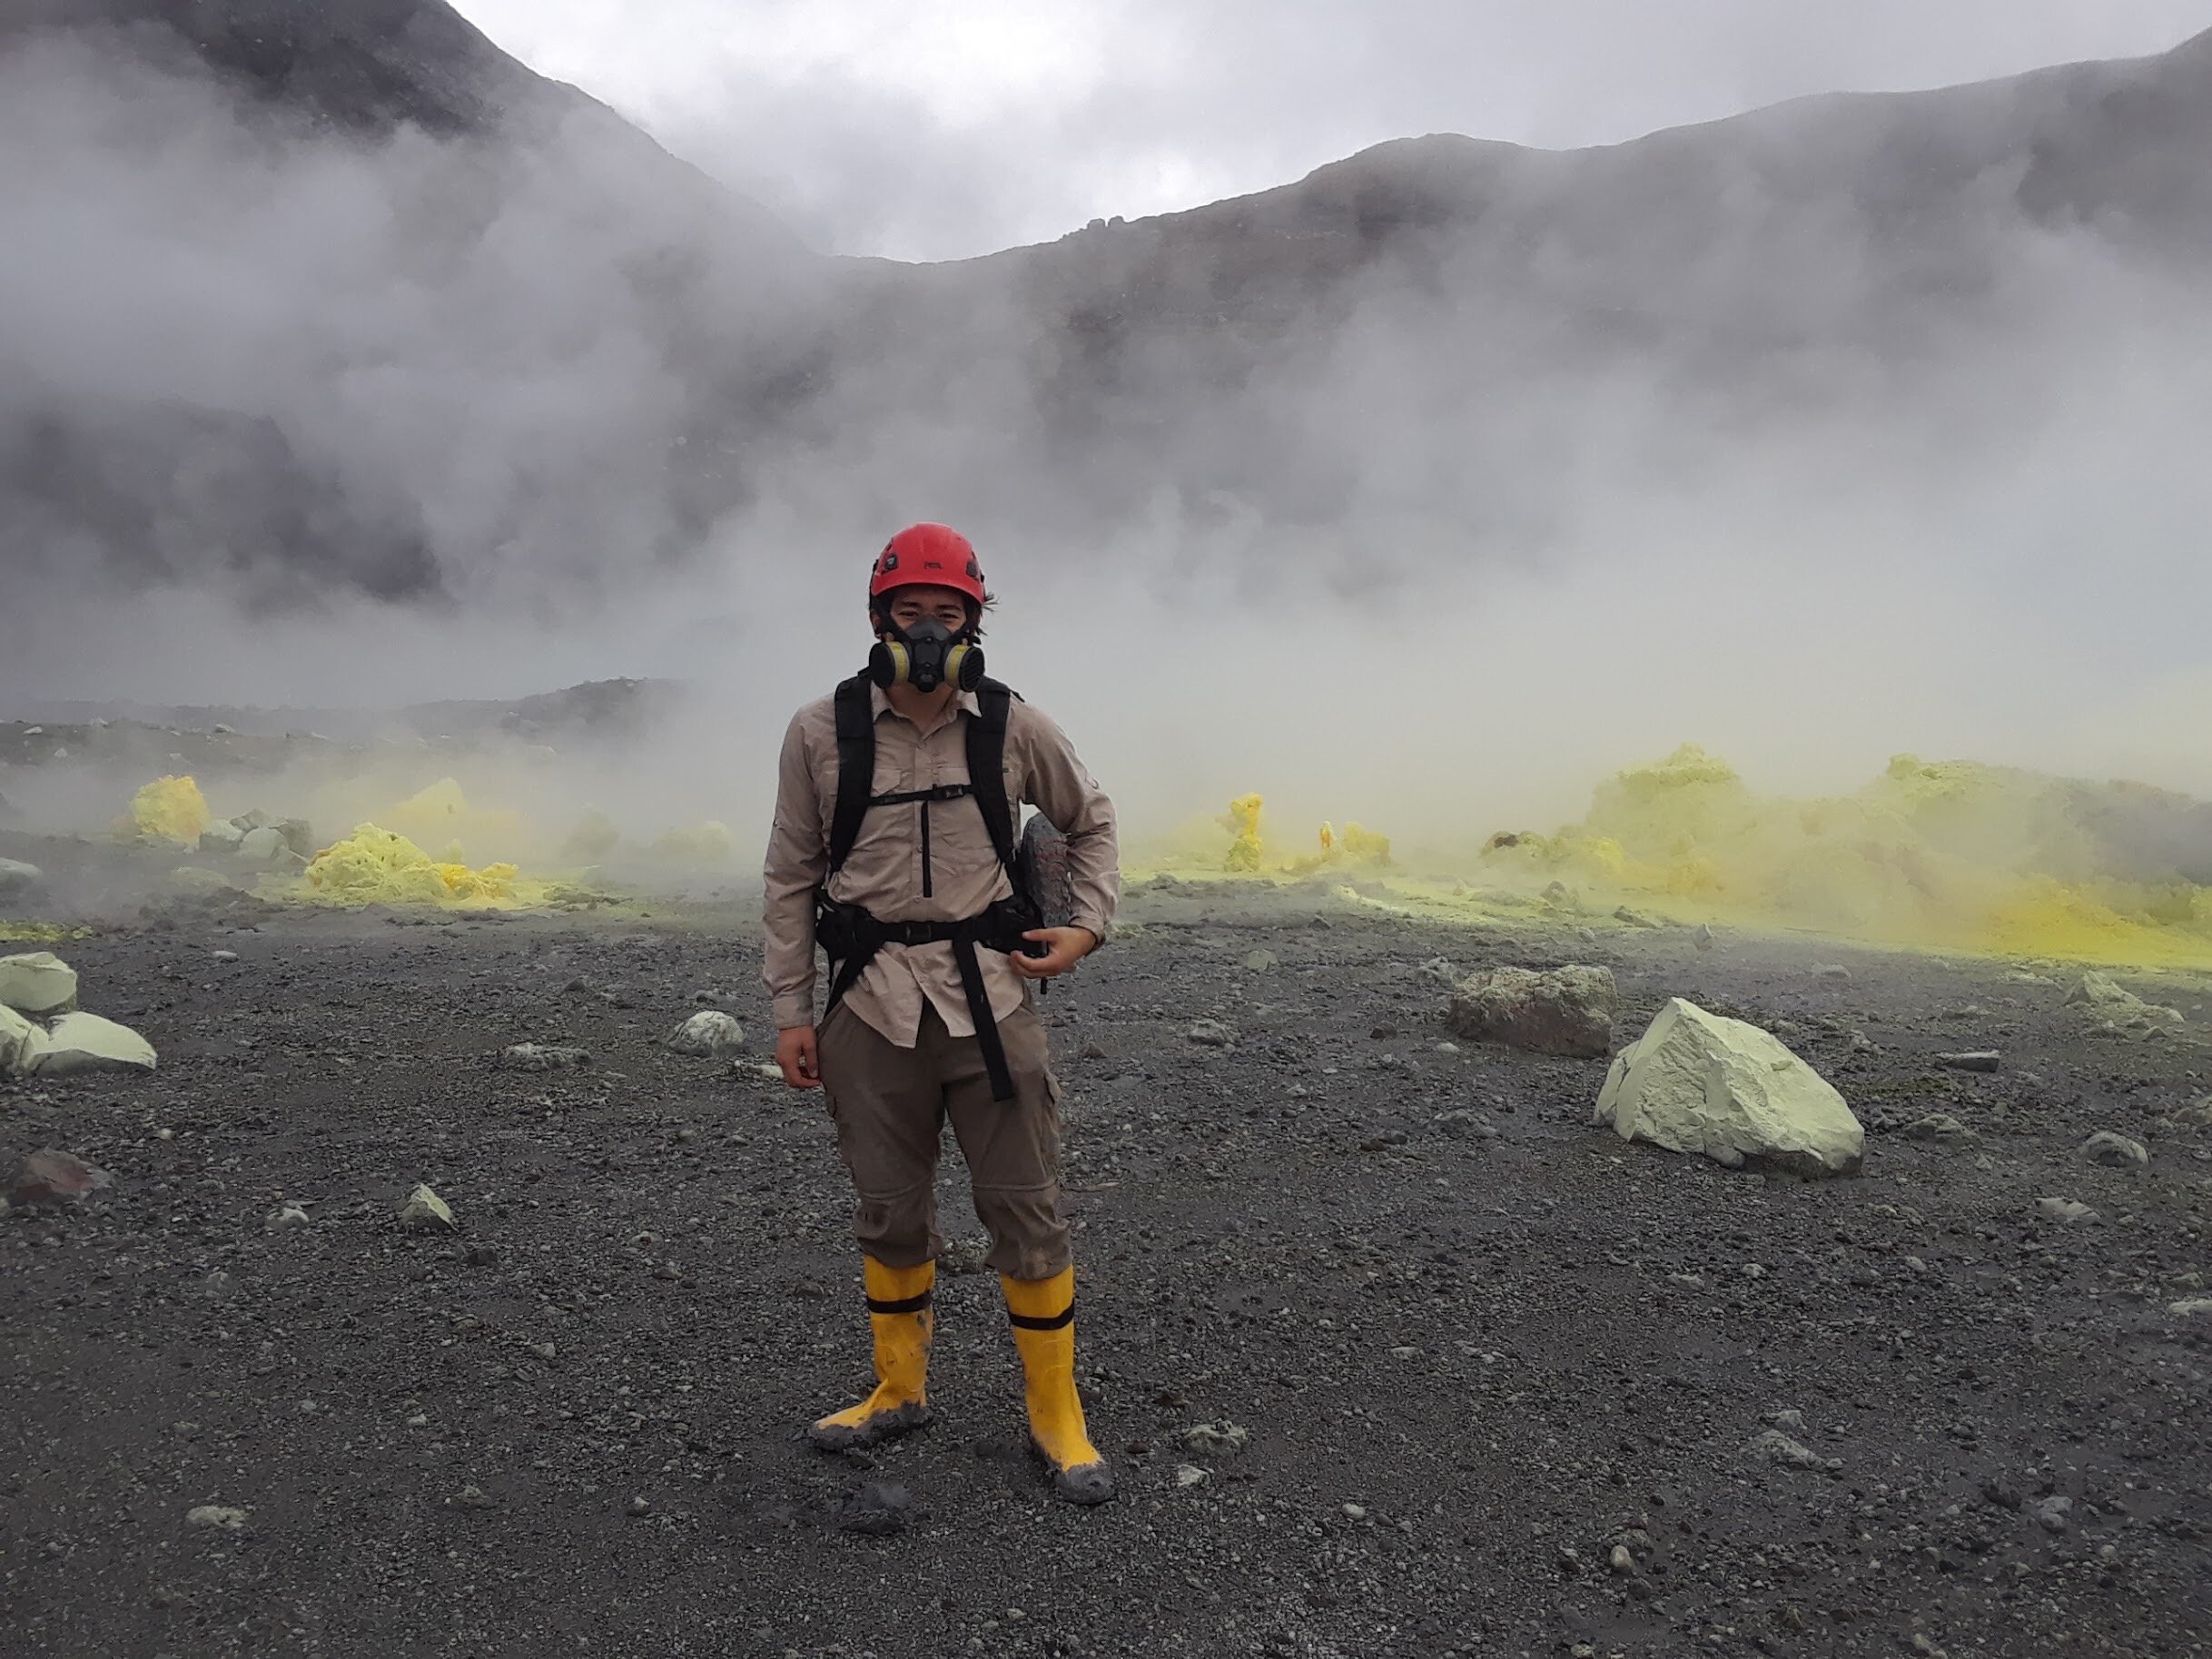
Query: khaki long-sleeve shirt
903,872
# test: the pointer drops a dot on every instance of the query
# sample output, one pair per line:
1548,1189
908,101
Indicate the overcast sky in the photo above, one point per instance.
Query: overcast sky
961,126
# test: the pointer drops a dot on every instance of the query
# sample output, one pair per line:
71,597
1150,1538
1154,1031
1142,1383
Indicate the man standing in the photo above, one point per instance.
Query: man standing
894,849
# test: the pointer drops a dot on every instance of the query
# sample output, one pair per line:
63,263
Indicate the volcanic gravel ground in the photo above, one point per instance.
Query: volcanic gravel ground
1476,1343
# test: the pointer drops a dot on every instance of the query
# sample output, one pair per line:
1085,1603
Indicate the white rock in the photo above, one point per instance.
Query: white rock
708,1035
221,836
37,983
1697,1082
2191,1307
22,1041
2071,1211
15,876
422,1208
217,1515
260,847
2116,1150
286,1215
2121,1008
86,1043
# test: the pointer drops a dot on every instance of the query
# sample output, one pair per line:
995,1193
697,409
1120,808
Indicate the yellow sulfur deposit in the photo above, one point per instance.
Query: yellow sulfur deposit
374,865
168,809
1248,850
1949,853
1243,820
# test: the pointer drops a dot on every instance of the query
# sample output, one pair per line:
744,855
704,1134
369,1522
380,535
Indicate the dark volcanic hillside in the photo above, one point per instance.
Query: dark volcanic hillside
558,349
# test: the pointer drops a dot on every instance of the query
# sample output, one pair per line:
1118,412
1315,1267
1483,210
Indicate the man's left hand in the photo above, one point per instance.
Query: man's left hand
1069,946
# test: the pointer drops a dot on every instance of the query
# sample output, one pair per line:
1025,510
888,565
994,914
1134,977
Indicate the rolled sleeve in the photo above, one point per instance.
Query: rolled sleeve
798,859
1061,787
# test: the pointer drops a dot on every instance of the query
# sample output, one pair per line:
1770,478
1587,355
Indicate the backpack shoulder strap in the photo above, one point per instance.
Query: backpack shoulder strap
855,766
987,767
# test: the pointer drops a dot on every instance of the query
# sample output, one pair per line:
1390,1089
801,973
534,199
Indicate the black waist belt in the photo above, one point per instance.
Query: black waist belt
851,937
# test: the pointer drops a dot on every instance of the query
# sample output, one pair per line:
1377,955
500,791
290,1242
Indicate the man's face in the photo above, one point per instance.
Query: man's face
945,605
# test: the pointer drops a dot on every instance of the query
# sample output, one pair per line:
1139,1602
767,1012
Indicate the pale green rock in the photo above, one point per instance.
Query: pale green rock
37,983
1697,1082
86,1043
22,1041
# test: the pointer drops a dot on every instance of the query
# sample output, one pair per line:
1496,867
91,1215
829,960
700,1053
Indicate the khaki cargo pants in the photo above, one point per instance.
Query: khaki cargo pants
890,1105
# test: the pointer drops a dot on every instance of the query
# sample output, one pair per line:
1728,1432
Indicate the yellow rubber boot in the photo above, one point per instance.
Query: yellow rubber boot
1043,1314
900,1312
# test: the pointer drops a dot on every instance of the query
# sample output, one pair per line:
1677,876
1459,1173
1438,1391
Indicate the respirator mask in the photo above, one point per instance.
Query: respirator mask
926,655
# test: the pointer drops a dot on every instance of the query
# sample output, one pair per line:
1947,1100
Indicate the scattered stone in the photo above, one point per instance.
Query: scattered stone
1440,969
1702,938
2051,1513
286,1215
875,1509
1221,1440
1209,1034
1261,961
37,983
1942,1128
51,1177
1558,895
217,1515
1697,1082
17,877
86,1043
2190,1308
423,1210
543,1057
1977,1059
222,957
2069,1211
1635,918
222,836
1567,1010
1621,1561
1775,1447
639,1505
2115,1151
1188,1475
473,1497
708,1035
2121,1011
1355,1512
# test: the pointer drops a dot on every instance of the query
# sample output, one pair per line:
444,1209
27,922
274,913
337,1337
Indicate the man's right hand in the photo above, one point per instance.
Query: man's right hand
795,1052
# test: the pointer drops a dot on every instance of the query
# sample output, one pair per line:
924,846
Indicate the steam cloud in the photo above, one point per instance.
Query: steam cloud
1420,493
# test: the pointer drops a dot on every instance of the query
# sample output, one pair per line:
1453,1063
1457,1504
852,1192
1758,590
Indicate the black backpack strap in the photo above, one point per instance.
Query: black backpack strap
987,768
855,765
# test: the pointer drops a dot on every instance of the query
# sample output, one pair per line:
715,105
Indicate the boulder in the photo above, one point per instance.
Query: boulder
37,983
86,1043
423,1210
51,1177
260,847
299,839
22,1041
543,1057
222,836
1697,1082
2121,1009
708,1035
16,877
2115,1150
1568,1011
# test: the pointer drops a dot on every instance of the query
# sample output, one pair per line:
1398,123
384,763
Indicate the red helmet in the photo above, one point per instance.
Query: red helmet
927,555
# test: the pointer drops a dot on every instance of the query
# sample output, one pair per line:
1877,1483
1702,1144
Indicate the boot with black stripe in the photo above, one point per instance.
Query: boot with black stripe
1042,1311
902,1315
